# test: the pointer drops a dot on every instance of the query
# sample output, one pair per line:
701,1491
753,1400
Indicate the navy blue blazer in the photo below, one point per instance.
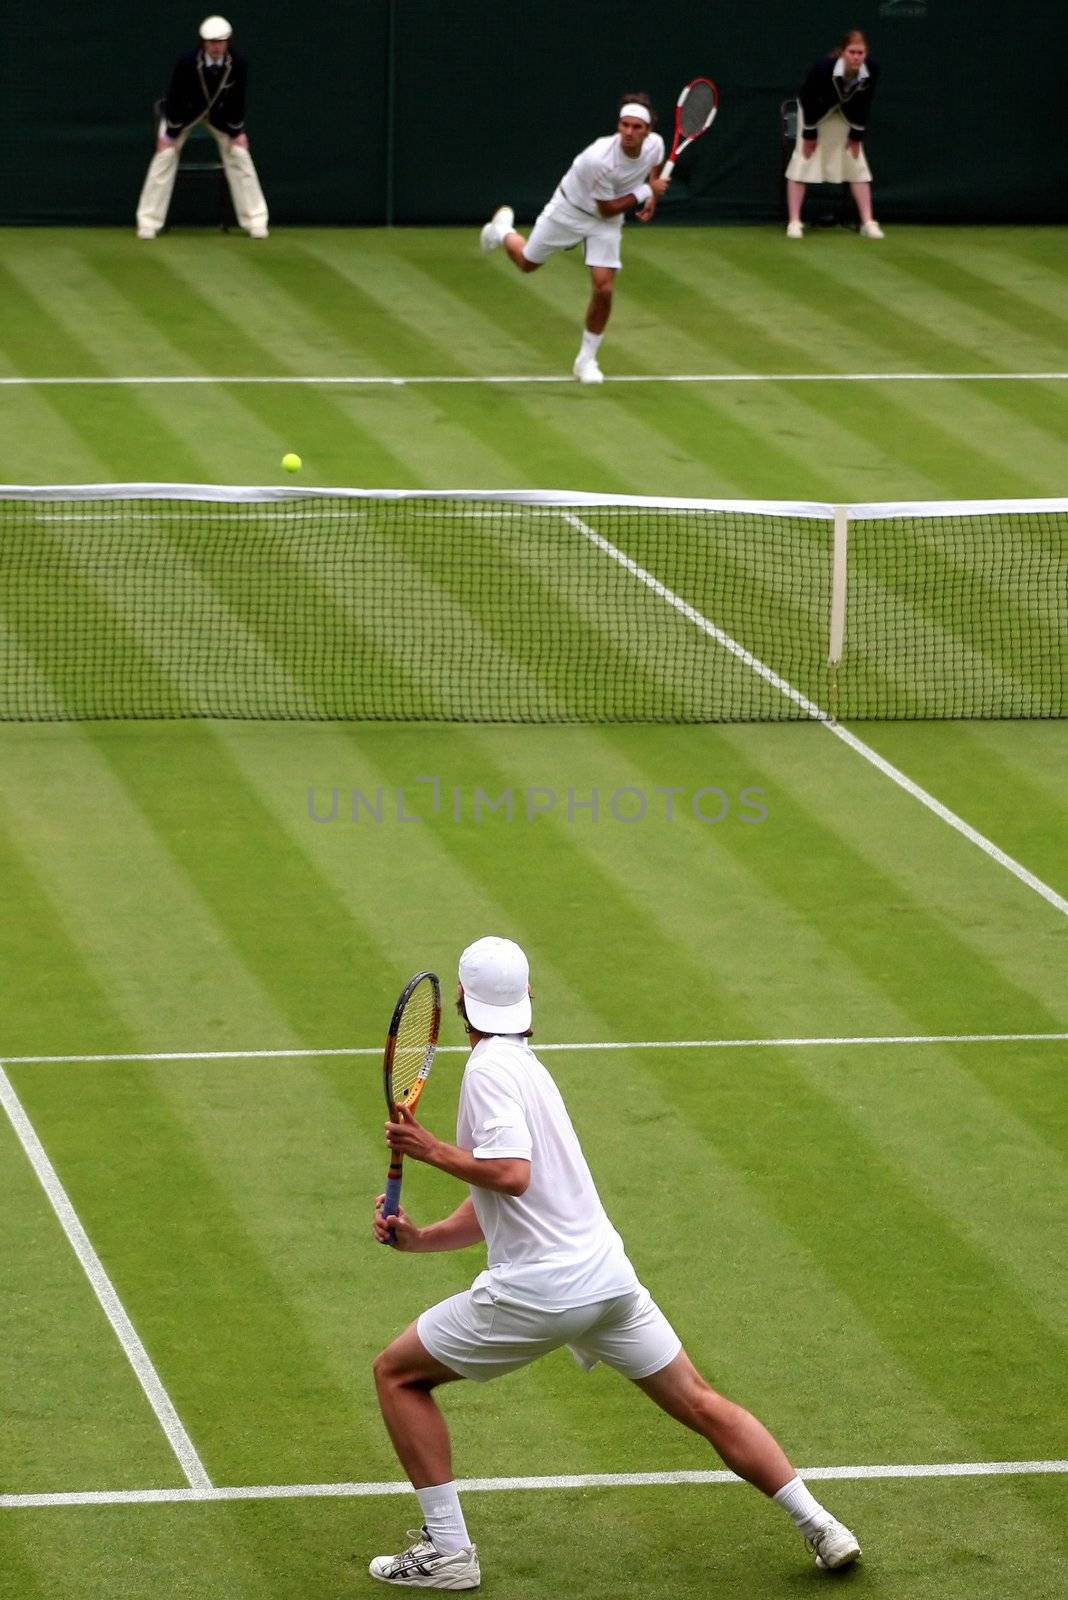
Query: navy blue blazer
197,84
822,90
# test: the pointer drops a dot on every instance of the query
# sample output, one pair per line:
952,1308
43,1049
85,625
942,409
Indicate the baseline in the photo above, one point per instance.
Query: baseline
568,378
588,1480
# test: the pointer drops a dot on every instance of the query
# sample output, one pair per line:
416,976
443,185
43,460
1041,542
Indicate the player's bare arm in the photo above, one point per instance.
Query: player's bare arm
642,202
506,1175
455,1232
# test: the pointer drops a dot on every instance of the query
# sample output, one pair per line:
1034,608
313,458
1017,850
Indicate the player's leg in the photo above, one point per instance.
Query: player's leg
734,1433
635,1338
598,311
861,192
443,1557
406,1375
250,207
602,257
515,247
472,1335
155,198
795,199
749,1450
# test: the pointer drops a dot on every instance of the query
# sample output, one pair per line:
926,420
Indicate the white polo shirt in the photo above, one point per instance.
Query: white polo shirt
553,1245
603,172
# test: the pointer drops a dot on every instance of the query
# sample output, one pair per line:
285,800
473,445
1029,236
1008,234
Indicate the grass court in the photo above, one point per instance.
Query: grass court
835,1137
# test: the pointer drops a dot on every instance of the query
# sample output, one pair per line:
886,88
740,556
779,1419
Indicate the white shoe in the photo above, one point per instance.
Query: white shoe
871,230
794,230
834,1546
492,235
257,233
146,233
586,370
420,1566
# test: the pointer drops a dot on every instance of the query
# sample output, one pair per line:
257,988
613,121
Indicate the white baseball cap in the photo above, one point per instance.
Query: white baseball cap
215,28
495,976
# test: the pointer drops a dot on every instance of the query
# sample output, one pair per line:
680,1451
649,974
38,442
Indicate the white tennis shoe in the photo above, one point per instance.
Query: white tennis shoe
586,370
871,230
794,230
421,1567
492,235
834,1546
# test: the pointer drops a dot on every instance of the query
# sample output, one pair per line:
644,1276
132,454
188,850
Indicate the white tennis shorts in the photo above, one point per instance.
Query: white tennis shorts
481,1336
563,227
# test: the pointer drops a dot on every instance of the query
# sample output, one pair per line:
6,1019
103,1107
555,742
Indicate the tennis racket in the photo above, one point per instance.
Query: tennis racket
695,112
409,1056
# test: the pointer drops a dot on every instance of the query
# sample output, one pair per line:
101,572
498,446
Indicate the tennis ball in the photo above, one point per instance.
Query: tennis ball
291,462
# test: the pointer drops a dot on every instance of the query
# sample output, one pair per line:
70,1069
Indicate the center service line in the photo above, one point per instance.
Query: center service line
809,707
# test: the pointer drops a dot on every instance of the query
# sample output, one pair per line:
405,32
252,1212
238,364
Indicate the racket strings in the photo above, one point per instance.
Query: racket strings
416,1033
696,109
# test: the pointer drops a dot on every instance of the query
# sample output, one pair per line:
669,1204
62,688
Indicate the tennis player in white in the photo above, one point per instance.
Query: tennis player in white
557,1274
612,176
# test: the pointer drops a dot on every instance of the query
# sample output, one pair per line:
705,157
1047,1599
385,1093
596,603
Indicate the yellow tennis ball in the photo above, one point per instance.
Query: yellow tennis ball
291,462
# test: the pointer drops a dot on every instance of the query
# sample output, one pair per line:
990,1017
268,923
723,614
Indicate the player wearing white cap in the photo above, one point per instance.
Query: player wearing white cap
557,1274
207,85
611,177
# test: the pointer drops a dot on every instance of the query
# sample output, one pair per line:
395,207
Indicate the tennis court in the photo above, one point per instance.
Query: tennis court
809,1018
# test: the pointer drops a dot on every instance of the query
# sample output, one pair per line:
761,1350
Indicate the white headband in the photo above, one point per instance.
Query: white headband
633,109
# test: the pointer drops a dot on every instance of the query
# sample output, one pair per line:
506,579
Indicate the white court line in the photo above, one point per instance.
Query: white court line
329,1053
809,707
629,377
134,1350
585,1480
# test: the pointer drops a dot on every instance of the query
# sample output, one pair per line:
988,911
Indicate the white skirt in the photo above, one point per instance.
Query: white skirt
831,161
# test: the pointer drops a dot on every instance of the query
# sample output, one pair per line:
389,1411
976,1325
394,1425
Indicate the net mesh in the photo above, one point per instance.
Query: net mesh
363,607
416,1031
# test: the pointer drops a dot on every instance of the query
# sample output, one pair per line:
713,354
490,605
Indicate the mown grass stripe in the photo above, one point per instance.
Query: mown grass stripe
33,335
155,1393
129,948
984,297
72,1414
930,321
322,416
221,1298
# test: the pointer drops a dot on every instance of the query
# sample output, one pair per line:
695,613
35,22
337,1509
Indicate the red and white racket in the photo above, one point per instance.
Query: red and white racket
695,112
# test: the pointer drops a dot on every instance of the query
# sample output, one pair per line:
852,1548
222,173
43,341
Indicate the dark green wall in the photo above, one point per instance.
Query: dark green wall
425,111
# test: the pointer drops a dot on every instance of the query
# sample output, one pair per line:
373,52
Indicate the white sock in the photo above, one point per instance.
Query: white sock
808,1515
591,343
443,1518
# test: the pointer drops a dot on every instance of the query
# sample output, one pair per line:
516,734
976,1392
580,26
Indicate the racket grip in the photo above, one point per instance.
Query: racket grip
667,169
391,1204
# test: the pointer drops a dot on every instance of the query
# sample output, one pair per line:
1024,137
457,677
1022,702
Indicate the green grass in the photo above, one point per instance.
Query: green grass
865,1244
422,302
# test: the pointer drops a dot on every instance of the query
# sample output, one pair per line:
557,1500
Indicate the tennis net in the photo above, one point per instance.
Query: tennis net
150,601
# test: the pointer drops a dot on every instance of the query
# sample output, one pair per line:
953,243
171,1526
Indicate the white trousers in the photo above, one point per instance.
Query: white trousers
250,207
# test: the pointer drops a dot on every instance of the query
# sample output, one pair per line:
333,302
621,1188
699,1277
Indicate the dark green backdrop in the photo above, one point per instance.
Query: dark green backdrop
426,111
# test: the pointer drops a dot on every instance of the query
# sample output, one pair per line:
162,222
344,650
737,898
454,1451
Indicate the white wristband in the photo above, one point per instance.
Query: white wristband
642,194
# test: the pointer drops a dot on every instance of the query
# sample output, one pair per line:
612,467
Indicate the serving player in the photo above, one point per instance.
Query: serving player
611,177
557,1274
